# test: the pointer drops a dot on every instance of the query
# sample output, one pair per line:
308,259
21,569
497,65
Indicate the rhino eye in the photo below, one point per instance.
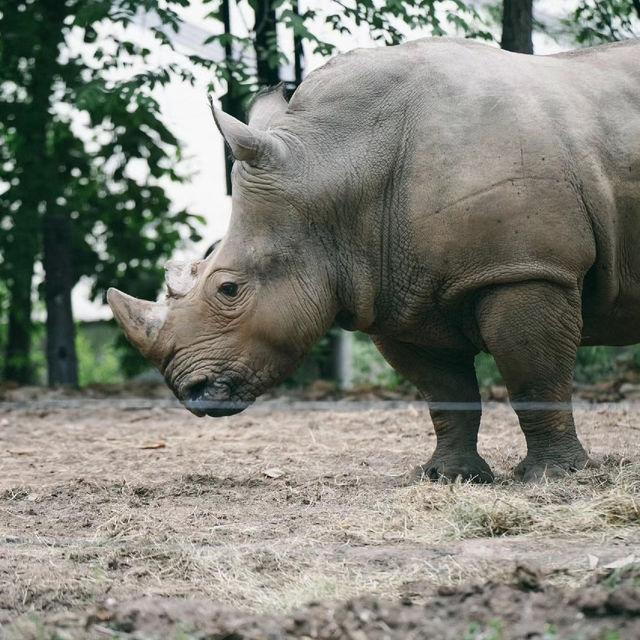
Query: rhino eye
229,289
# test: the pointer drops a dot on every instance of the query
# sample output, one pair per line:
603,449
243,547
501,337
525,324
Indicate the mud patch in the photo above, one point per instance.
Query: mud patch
606,609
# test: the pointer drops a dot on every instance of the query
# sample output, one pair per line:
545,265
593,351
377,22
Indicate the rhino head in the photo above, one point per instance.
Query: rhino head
240,321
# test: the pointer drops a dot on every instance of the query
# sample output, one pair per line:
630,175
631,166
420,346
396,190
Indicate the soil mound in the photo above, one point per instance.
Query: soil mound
608,608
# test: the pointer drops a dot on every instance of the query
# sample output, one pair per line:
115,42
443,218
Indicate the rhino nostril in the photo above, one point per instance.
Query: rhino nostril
197,391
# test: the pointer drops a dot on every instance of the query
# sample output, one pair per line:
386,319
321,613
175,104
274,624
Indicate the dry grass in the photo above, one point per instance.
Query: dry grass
593,501
87,513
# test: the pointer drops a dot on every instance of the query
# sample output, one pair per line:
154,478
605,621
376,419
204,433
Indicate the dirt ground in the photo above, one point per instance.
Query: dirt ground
133,519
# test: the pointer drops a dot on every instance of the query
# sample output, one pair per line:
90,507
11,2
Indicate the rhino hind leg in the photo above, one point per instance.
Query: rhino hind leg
533,331
447,379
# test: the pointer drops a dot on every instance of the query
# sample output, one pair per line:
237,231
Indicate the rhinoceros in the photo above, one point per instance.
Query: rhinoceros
443,196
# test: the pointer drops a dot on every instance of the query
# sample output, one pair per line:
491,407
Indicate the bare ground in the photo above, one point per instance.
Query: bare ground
124,519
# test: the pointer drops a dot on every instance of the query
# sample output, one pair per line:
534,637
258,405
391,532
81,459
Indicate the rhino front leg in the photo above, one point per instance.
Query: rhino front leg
533,331
447,379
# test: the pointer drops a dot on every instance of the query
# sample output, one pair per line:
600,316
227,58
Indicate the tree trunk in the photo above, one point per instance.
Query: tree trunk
62,361
232,101
57,260
22,252
21,256
298,52
517,26
266,43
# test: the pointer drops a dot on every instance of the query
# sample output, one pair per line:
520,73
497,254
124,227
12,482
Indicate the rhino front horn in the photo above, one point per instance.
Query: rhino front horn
247,144
140,320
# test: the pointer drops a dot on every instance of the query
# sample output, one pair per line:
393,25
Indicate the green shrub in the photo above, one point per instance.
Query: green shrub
97,362
487,371
105,357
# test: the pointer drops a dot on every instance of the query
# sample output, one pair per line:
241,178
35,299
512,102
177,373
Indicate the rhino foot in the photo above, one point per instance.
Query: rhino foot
469,466
533,469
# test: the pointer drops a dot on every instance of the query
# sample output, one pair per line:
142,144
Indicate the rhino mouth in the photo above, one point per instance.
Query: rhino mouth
214,399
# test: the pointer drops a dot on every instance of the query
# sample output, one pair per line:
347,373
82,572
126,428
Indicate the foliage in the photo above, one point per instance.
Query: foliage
593,365
81,137
386,20
98,353
123,223
369,367
98,360
487,371
99,357
596,21
316,365
4,301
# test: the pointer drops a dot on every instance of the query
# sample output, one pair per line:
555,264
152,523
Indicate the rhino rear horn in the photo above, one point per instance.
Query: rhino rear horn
180,277
247,144
140,320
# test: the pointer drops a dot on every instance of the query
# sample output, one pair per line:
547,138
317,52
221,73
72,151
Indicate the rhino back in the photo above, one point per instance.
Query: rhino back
510,167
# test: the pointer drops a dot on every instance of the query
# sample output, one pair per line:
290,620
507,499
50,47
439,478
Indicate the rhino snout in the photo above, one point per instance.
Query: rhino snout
213,399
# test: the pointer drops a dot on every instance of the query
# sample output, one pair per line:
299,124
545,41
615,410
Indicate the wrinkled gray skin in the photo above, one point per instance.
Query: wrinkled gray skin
445,197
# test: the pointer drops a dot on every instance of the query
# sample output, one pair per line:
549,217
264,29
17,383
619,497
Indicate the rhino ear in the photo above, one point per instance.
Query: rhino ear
180,277
246,143
266,107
